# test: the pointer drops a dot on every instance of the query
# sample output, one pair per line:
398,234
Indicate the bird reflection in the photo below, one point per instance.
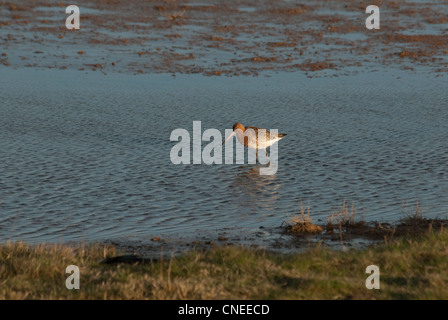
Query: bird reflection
254,191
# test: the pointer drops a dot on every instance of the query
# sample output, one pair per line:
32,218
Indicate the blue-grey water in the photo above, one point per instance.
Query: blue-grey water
87,156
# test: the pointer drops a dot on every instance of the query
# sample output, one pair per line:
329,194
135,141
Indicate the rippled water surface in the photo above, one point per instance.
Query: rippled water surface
87,156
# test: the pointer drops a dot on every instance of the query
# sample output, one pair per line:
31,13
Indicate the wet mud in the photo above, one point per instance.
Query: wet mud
284,239
234,37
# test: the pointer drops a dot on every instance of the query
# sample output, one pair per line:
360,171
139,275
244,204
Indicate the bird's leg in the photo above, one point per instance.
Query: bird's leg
256,155
267,157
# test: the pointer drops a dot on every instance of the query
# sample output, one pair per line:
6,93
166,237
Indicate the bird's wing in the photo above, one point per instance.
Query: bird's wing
268,133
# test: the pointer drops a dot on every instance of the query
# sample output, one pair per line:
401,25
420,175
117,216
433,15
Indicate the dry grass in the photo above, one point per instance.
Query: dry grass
345,222
410,269
416,214
415,221
302,223
344,215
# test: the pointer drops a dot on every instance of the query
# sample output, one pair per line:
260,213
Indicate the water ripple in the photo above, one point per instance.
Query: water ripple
96,165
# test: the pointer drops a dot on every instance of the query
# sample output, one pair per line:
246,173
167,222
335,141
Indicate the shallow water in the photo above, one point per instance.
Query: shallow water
87,156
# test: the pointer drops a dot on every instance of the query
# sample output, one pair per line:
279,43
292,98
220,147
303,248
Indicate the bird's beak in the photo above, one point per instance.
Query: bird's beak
230,136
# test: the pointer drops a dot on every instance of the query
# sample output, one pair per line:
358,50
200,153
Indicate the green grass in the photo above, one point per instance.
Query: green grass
410,269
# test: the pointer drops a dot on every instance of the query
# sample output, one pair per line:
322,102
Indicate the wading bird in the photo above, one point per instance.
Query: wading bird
252,137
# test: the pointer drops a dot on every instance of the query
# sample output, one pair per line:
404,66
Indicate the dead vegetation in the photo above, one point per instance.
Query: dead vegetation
301,223
345,222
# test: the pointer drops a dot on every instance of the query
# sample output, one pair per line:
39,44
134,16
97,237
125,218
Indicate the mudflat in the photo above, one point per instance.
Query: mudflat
235,37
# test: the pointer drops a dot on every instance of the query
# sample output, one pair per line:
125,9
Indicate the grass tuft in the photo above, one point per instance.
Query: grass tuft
302,223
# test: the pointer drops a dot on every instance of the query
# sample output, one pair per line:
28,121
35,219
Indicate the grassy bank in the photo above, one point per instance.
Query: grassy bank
410,269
